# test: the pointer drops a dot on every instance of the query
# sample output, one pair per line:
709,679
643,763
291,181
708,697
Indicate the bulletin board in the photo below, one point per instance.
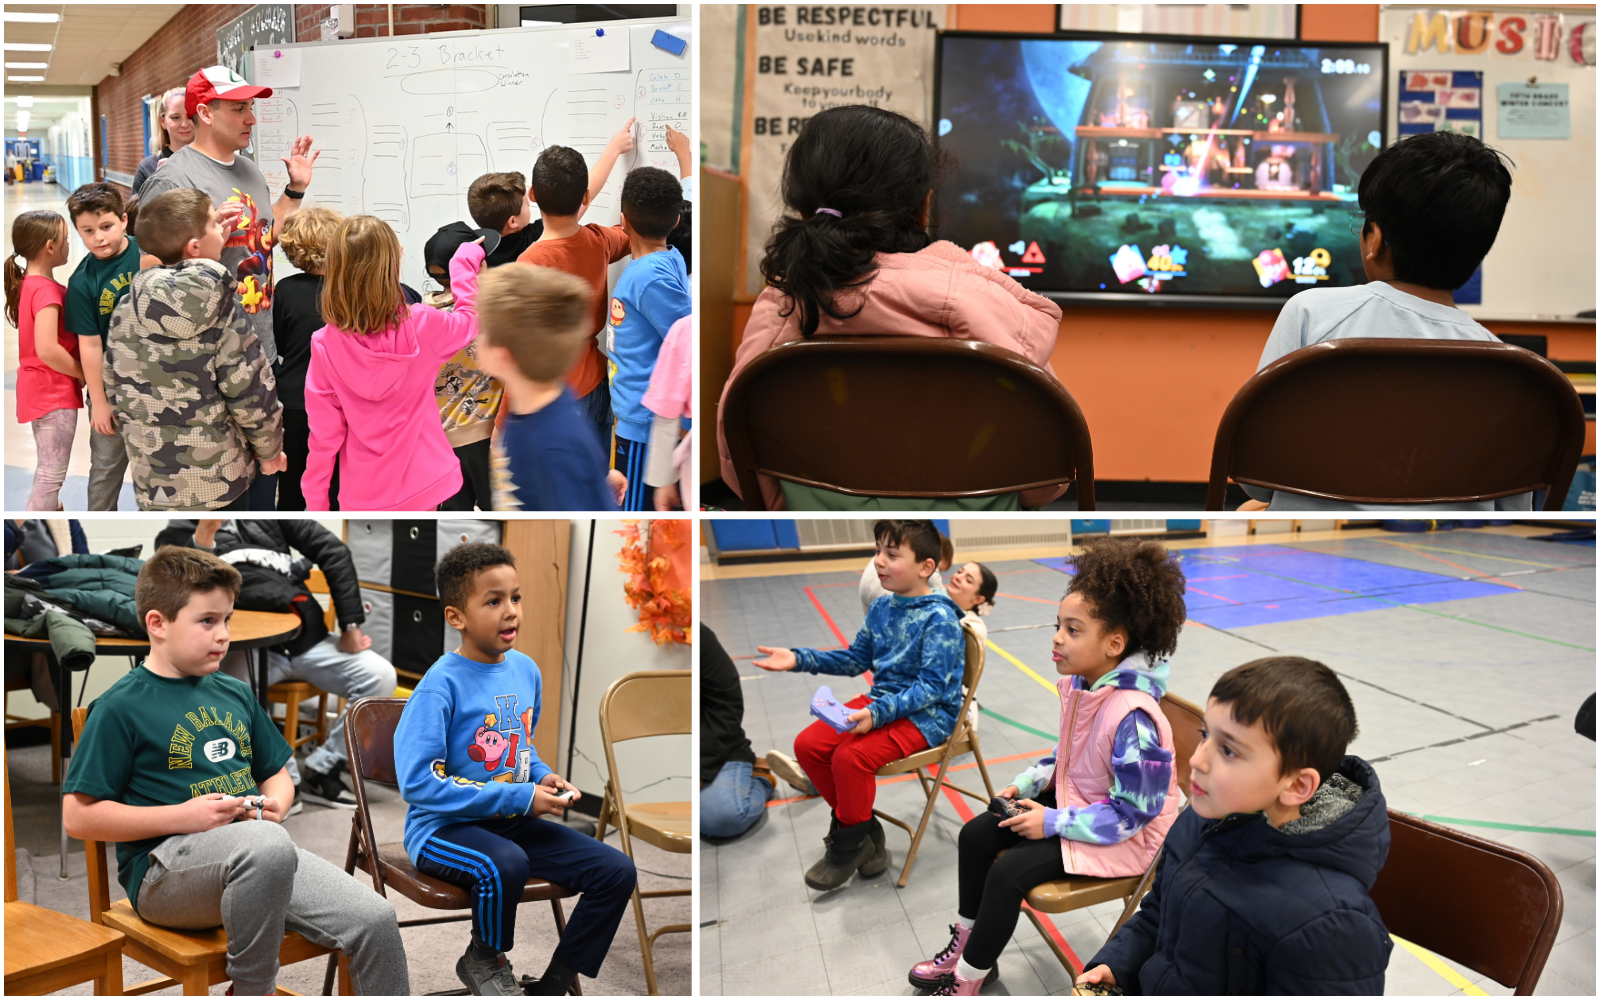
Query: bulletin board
1542,266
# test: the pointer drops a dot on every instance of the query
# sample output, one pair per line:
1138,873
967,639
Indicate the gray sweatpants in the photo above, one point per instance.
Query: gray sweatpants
108,461
250,878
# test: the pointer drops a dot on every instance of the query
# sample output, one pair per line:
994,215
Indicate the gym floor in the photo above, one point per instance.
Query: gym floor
1467,653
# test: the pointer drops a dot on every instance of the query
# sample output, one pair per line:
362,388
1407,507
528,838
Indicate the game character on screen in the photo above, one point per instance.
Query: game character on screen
1431,206
912,643
852,255
1263,885
1102,804
475,786
188,774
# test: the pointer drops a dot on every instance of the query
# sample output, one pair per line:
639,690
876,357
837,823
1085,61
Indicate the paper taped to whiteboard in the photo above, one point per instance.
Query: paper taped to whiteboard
596,50
277,67
668,42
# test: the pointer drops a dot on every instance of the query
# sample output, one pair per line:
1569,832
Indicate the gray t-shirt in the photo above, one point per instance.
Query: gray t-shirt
248,252
1375,309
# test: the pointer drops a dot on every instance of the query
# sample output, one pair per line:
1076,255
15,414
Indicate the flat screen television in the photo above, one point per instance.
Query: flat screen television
1155,168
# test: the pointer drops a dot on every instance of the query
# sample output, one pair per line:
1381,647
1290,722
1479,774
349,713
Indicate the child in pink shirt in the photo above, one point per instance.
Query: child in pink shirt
50,376
670,398
369,388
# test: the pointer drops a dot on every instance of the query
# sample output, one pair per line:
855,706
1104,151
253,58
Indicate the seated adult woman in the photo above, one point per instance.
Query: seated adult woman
972,589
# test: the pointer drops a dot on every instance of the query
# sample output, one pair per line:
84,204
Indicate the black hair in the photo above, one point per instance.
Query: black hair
560,179
1439,198
987,584
650,200
459,569
921,537
1301,704
1132,584
875,168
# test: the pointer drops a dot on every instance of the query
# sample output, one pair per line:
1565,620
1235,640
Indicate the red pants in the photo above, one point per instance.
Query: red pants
843,766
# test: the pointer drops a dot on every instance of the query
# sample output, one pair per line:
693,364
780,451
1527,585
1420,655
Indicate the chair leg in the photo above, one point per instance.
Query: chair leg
322,719
927,814
1049,939
335,961
109,984
291,721
983,769
345,989
644,944
55,748
605,814
196,981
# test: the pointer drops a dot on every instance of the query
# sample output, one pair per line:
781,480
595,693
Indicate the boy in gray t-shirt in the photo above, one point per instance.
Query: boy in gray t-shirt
1432,206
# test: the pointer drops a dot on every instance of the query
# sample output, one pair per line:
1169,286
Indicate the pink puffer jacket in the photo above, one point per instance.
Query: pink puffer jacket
939,291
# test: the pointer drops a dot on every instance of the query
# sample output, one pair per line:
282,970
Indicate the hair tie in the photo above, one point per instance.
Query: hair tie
831,211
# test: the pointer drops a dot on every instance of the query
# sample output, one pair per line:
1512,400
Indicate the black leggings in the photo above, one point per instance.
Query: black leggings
992,889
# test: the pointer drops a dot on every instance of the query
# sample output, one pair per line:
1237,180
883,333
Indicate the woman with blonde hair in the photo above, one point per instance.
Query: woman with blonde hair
369,387
174,131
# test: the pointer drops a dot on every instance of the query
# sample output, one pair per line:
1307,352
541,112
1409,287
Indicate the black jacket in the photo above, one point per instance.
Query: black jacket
722,735
268,591
1239,907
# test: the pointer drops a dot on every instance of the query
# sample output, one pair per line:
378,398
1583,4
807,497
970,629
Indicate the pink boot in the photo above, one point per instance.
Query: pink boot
930,974
956,986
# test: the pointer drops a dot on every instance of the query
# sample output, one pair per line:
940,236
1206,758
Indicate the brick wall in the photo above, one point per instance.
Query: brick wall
188,43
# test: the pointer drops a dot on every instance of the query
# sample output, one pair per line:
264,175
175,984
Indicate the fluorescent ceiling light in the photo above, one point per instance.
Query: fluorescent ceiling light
22,65
26,79
25,101
30,18
27,46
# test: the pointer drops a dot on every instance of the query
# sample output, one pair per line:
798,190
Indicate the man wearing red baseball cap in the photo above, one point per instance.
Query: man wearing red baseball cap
222,106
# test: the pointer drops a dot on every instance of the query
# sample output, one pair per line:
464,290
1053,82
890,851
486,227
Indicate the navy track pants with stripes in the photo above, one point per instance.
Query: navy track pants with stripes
492,859
630,461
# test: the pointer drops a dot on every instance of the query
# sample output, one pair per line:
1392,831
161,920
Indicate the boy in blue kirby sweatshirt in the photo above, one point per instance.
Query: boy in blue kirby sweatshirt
913,645
476,787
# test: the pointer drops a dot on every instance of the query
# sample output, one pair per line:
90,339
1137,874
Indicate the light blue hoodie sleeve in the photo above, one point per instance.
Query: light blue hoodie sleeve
851,662
943,657
420,752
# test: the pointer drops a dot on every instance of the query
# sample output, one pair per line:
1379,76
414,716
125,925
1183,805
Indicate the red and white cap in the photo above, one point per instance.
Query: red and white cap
219,83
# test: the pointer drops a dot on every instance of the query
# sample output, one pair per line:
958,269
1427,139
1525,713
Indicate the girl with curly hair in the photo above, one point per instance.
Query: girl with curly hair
1106,809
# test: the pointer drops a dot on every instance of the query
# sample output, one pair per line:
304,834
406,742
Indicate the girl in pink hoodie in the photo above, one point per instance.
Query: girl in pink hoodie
369,389
852,256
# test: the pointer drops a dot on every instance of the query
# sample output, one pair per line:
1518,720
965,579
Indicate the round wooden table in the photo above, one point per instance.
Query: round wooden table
253,630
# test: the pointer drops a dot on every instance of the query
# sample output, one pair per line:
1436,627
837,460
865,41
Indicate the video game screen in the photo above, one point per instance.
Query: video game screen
1139,165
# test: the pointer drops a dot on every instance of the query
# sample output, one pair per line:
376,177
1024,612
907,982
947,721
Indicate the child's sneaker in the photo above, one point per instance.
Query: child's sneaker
326,788
930,974
785,767
487,977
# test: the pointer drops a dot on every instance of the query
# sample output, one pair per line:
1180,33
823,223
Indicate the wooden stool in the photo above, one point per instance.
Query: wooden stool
290,694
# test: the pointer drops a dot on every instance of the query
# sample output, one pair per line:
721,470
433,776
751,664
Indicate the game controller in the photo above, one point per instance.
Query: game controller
567,795
1096,990
1006,808
827,708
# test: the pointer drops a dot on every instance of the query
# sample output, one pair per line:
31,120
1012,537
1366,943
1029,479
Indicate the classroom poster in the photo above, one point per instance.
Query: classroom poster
806,59
1534,111
1441,100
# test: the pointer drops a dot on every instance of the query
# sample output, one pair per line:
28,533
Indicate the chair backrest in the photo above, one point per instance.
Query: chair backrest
1186,720
1371,420
11,843
800,411
1491,907
317,583
647,703
369,737
94,851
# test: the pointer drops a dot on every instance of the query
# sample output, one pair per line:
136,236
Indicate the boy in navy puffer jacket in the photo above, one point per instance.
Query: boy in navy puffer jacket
1262,886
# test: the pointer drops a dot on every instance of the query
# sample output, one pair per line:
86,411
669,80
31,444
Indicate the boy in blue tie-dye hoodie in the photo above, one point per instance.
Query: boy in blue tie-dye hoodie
1101,805
913,645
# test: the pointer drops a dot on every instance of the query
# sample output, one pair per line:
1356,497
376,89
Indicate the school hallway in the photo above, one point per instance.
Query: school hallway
1467,655
431,951
20,452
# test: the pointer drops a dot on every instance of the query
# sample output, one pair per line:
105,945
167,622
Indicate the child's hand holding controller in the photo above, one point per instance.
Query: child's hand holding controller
1097,981
208,812
1029,824
777,659
862,717
551,801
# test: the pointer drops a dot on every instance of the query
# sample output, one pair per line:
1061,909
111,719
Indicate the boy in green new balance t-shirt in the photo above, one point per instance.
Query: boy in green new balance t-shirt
185,771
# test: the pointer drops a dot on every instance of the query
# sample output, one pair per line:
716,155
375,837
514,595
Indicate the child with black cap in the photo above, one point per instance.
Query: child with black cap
469,400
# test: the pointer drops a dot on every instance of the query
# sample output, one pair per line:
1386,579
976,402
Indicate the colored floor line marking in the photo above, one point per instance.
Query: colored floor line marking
1509,826
1013,722
1215,596
1479,575
1414,607
827,618
1437,964
1019,597
1485,555
1022,667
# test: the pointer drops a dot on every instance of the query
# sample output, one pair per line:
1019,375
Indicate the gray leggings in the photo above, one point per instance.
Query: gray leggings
250,878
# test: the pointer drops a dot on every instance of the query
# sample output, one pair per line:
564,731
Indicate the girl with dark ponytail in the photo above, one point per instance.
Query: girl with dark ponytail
49,375
852,255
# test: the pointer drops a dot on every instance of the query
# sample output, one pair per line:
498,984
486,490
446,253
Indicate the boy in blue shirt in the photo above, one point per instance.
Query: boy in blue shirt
651,295
476,787
532,325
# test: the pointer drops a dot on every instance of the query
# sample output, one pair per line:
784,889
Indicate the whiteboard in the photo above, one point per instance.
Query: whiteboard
406,124
1542,265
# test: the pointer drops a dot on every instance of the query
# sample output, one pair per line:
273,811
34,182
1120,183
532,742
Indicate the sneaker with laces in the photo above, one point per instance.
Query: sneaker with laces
785,767
325,788
490,977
